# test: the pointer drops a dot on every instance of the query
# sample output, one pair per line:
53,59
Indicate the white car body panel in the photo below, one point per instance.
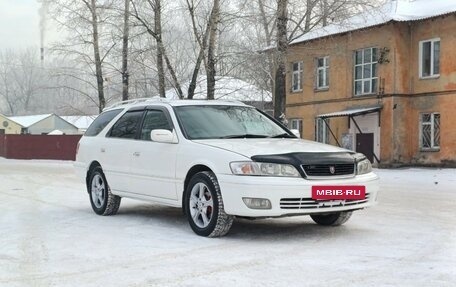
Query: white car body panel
236,187
158,174
153,169
266,146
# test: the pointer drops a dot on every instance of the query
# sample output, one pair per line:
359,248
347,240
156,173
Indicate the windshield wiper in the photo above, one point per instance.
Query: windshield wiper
251,136
284,135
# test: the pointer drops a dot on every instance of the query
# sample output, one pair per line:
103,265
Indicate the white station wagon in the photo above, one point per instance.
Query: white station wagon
218,160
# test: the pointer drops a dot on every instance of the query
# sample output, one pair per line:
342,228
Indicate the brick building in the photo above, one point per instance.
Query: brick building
382,83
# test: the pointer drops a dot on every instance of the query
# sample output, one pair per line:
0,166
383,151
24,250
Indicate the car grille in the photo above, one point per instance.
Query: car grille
316,170
309,203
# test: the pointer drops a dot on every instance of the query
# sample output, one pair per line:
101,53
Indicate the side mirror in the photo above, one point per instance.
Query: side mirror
296,132
163,136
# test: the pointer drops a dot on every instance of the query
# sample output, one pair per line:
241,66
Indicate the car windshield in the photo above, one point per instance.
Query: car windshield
221,121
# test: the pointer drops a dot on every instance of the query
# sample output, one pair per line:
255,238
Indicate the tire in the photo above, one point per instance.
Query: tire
203,206
102,200
332,219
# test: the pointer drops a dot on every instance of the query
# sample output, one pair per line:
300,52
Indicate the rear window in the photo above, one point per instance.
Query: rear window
101,122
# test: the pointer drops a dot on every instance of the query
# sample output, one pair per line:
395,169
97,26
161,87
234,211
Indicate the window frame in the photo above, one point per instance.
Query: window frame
420,58
433,147
299,124
362,79
89,132
299,72
325,69
155,108
141,109
325,132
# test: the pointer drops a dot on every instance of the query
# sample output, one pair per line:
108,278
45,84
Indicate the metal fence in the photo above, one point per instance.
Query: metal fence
59,147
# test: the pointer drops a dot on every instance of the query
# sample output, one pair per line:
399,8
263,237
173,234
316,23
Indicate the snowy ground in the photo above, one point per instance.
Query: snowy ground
49,236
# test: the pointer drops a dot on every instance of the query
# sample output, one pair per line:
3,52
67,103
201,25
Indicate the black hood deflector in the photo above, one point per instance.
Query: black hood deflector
307,158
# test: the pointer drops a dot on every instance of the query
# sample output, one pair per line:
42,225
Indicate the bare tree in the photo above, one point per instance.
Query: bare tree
202,43
88,42
156,32
125,39
282,46
21,79
162,46
96,51
7,91
211,57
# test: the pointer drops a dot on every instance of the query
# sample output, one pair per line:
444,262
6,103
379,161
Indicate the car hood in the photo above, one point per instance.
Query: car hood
269,146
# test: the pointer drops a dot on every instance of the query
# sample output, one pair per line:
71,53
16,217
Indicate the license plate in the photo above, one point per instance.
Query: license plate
338,192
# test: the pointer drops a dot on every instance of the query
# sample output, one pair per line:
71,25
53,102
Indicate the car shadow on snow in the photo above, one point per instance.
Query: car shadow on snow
297,227
300,227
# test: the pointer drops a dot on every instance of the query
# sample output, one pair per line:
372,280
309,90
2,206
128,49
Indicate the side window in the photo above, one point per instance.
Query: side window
127,126
322,73
322,131
430,131
430,58
366,74
101,122
154,119
296,79
296,124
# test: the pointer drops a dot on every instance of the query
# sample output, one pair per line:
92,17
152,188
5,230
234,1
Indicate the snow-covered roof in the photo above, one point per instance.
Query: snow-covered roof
393,10
226,88
56,132
27,121
351,112
81,122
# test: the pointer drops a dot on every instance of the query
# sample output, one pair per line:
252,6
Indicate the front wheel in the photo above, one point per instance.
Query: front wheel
204,206
333,219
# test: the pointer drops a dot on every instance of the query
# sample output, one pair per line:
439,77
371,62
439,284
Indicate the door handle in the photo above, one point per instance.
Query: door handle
136,153
102,149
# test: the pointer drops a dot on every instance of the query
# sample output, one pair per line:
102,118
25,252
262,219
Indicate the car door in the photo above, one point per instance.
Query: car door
153,164
117,150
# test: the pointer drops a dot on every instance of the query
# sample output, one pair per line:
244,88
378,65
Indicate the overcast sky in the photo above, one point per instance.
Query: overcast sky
19,24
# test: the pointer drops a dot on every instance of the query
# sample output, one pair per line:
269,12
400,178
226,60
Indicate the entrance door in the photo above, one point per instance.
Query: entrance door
365,145
2,131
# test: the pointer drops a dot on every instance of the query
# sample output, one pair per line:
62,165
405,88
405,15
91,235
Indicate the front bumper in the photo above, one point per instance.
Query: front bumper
289,196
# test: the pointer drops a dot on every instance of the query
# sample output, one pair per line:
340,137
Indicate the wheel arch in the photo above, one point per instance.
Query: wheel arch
92,166
191,172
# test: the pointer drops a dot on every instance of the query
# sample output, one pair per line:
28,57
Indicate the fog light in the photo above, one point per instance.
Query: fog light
257,203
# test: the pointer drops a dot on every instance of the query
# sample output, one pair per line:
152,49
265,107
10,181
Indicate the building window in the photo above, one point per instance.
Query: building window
322,73
296,124
322,131
366,77
430,58
430,131
296,80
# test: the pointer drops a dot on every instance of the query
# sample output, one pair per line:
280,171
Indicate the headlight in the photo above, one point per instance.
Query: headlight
264,169
364,166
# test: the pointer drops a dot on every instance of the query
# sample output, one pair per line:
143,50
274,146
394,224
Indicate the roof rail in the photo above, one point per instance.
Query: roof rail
135,101
231,101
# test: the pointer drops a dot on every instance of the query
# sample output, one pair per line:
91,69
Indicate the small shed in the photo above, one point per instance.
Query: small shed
81,122
44,124
8,126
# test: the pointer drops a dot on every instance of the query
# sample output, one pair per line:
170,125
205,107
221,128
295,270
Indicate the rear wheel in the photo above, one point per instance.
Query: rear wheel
204,206
102,200
333,219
